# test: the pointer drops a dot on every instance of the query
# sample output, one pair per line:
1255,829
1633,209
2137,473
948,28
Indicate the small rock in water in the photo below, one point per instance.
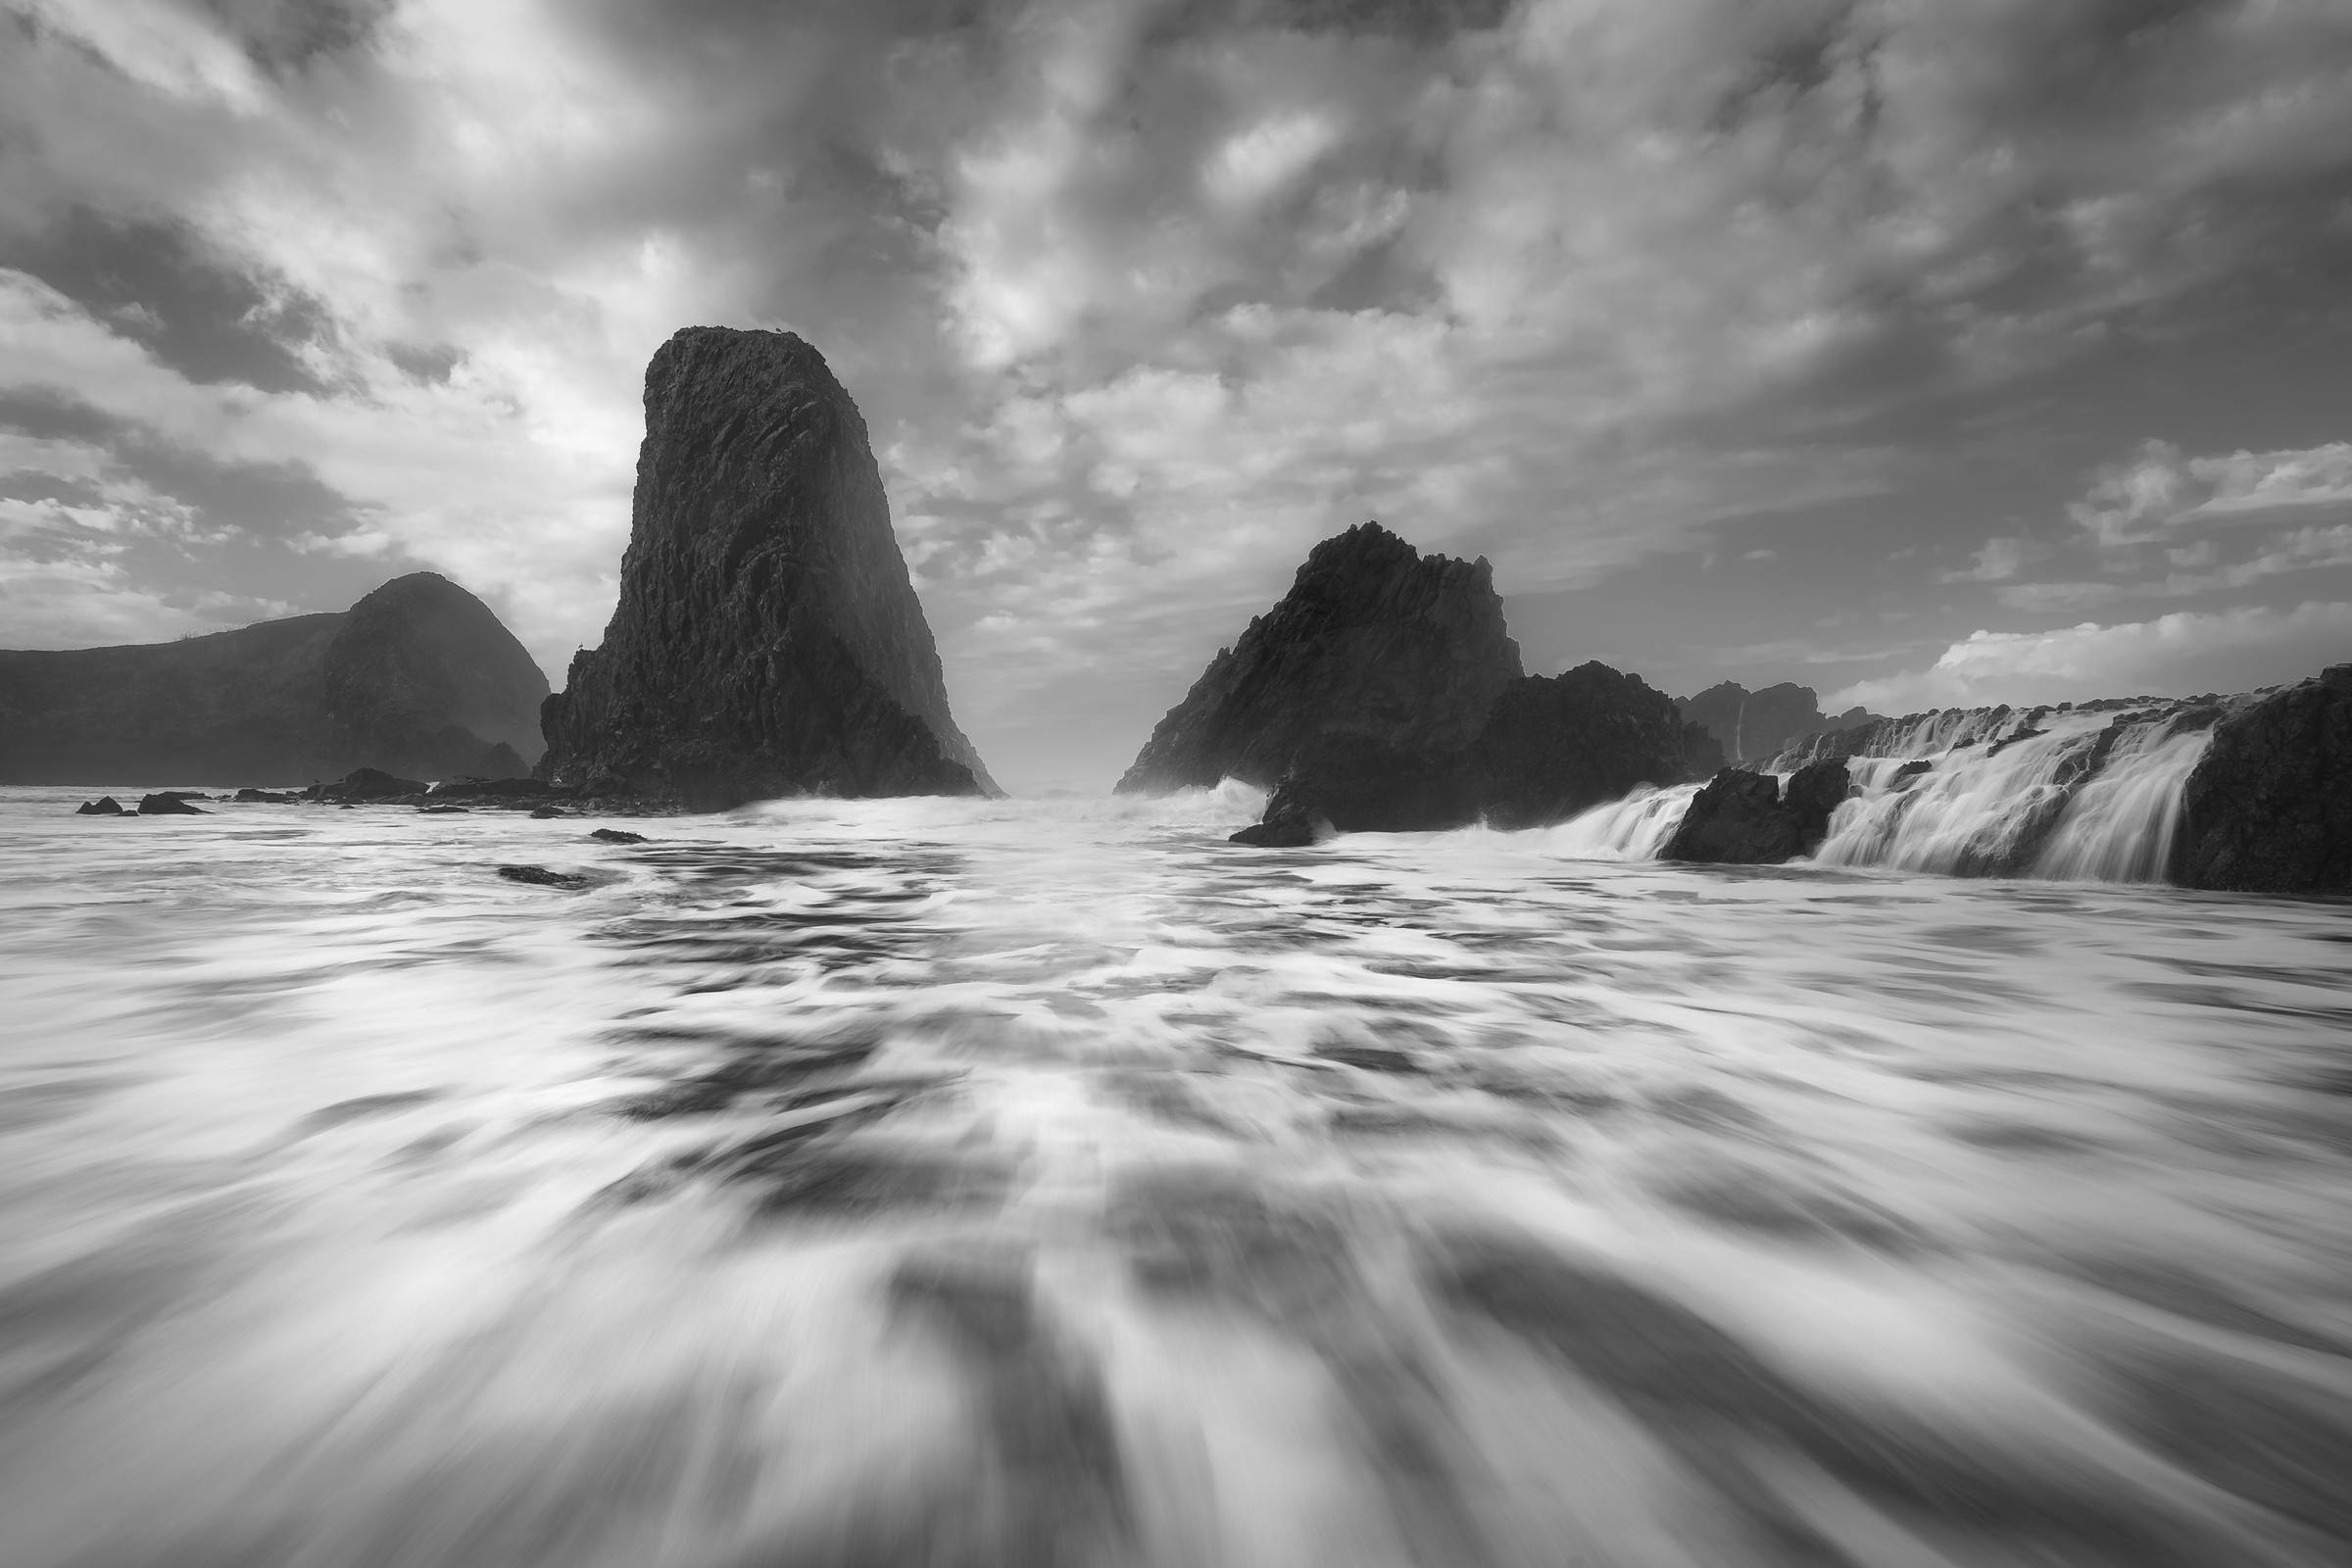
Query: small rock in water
254,796
539,876
443,811
544,812
615,835
103,805
169,804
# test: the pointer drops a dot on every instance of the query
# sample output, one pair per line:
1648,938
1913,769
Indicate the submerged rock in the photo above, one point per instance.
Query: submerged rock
168,804
1745,819
539,876
768,640
615,835
254,796
2269,807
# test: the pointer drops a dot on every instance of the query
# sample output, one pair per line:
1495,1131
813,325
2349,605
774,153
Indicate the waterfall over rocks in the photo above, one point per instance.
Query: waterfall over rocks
2253,792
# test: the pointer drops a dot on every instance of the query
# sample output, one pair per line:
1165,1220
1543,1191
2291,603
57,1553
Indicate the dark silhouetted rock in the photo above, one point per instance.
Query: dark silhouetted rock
367,784
424,679
446,811
2269,807
103,805
1812,795
1744,818
1374,645
768,640
395,682
1551,747
615,835
169,805
254,796
539,876
1754,727
544,812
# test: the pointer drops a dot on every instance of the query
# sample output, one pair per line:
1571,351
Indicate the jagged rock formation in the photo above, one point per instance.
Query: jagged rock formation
1751,726
398,681
1553,747
2269,807
1748,818
1375,648
768,640
1382,694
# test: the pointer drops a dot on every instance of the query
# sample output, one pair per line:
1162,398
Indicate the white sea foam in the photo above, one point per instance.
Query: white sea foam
1051,1182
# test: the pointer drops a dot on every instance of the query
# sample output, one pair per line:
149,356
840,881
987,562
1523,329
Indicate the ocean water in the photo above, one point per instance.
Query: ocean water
1050,1183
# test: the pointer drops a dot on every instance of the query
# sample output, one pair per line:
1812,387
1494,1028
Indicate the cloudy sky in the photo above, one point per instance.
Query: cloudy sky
1920,351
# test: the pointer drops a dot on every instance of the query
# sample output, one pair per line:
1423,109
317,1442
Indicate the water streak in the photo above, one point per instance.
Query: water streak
1015,1183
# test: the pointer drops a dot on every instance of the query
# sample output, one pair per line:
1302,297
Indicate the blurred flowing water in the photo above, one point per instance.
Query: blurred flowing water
1050,1183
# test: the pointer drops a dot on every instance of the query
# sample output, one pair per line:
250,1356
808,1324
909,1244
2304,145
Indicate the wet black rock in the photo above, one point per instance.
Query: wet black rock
544,812
1551,747
103,805
1374,642
2269,807
446,811
1289,823
768,640
168,804
254,796
615,835
1745,819
416,676
539,876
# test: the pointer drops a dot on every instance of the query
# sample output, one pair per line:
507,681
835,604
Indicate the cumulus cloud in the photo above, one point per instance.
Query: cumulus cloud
2158,489
2178,654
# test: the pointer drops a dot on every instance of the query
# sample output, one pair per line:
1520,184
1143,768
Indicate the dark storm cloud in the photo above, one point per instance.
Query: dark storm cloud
154,282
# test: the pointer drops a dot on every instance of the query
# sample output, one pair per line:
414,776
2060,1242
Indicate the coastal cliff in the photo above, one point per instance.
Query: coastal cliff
767,640
2268,806
419,678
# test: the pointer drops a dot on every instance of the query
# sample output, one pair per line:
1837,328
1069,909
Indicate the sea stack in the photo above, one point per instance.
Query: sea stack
1383,694
768,640
1375,648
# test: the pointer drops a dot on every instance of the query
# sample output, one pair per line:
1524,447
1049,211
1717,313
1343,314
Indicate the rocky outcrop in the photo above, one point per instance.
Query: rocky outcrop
767,640
398,681
2269,807
1377,651
1751,726
1748,818
1382,694
1551,747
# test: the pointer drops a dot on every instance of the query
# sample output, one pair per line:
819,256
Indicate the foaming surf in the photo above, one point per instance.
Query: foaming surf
964,1182
2082,795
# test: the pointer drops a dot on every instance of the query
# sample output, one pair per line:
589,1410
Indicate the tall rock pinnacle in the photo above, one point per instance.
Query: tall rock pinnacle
768,640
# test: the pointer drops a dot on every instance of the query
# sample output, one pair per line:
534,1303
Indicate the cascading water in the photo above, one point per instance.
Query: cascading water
2068,794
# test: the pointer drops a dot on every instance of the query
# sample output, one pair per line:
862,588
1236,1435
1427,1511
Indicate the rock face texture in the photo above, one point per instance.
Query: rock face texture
1751,726
1383,694
1744,818
768,640
2269,807
400,681
1375,648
